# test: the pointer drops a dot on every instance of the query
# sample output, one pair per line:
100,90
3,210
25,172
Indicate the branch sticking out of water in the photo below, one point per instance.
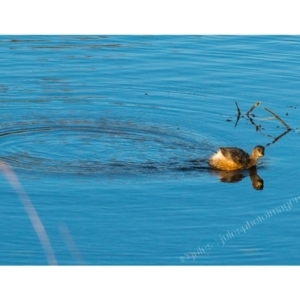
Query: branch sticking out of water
31,212
279,119
247,114
255,105
258,127
238,109
238,114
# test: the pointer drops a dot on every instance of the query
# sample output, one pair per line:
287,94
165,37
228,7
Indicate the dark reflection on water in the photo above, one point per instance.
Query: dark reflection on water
258,127
98,147
236,176
105,146
172,148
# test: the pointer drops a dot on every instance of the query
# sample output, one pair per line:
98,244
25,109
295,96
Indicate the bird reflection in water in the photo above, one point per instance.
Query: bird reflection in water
236,176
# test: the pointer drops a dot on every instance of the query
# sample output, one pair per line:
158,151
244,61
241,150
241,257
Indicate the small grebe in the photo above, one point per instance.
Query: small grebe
231,158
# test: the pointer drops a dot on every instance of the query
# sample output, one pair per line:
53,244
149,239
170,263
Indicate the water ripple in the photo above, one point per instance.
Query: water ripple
89,147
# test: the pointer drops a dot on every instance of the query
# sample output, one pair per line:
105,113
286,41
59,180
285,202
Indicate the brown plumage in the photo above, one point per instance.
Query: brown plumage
231,158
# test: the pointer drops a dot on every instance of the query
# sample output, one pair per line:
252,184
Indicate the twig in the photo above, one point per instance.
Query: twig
238,114
238,109
252,122
249,111
279,119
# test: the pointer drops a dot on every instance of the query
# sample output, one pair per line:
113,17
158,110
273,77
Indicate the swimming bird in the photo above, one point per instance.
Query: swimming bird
232,158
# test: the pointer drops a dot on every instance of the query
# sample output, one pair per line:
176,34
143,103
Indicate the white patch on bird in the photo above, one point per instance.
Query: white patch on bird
218,155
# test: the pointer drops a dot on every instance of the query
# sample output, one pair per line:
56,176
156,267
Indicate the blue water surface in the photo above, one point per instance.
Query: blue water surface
109,137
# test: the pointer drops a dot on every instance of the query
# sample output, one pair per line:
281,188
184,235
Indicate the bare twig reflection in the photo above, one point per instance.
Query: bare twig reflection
258,127
277,138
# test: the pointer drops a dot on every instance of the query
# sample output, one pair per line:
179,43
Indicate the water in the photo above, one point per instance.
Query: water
109,137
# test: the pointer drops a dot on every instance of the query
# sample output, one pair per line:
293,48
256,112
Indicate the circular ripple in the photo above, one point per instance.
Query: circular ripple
89,147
